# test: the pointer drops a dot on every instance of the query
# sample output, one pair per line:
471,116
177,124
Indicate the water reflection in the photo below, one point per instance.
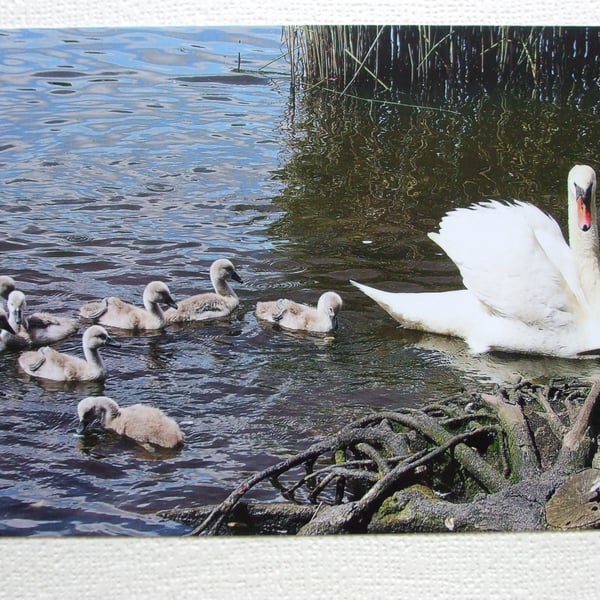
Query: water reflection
365,183
362,164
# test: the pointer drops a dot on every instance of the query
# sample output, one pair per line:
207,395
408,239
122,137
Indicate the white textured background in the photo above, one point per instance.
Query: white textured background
542,565
55,13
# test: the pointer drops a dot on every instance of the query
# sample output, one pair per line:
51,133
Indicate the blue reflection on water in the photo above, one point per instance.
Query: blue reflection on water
128,155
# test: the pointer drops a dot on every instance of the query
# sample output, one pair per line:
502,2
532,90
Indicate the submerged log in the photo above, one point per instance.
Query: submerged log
252,518
507,461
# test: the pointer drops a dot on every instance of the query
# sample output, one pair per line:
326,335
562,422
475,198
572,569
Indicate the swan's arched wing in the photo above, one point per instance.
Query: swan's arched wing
515,260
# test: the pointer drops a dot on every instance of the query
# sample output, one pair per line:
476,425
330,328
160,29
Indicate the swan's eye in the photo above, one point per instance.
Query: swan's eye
584,194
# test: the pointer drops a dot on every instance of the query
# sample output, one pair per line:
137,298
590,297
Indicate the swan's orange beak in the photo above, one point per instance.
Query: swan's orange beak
584,213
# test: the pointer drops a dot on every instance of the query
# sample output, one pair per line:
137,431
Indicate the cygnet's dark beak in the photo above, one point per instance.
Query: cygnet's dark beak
236,277
110,341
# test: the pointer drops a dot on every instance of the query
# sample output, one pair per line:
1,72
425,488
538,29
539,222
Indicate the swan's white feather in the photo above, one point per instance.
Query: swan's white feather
515,260
526,289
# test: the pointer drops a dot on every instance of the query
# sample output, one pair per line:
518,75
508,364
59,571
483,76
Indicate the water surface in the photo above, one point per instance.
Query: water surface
128,156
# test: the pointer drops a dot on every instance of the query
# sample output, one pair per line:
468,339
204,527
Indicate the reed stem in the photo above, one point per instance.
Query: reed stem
444,59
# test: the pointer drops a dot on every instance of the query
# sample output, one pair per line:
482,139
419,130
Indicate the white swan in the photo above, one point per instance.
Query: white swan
47,363
39,328
143,424
114,312
292,315
526,289
210,305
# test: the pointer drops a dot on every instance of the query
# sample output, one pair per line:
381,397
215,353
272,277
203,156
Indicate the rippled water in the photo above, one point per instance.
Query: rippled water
128,156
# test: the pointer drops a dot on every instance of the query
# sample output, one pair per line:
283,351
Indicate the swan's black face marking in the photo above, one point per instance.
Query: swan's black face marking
584,207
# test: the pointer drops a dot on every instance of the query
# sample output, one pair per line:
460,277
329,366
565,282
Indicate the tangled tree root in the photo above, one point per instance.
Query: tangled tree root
476,462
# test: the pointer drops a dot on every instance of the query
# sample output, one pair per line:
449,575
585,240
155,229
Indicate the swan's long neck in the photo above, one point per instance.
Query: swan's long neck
17,317
109,409
585,246
221,285
12,320
93,358
153,308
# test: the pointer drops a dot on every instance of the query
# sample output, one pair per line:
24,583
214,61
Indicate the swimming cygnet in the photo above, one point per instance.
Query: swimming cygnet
291,315
141,423
48,363
4,322
7,285
8,339
115,312
210,305
39,328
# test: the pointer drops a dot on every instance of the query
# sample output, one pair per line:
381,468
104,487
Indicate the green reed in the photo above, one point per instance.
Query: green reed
445,59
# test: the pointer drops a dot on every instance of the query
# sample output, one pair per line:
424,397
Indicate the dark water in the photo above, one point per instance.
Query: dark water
127,156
